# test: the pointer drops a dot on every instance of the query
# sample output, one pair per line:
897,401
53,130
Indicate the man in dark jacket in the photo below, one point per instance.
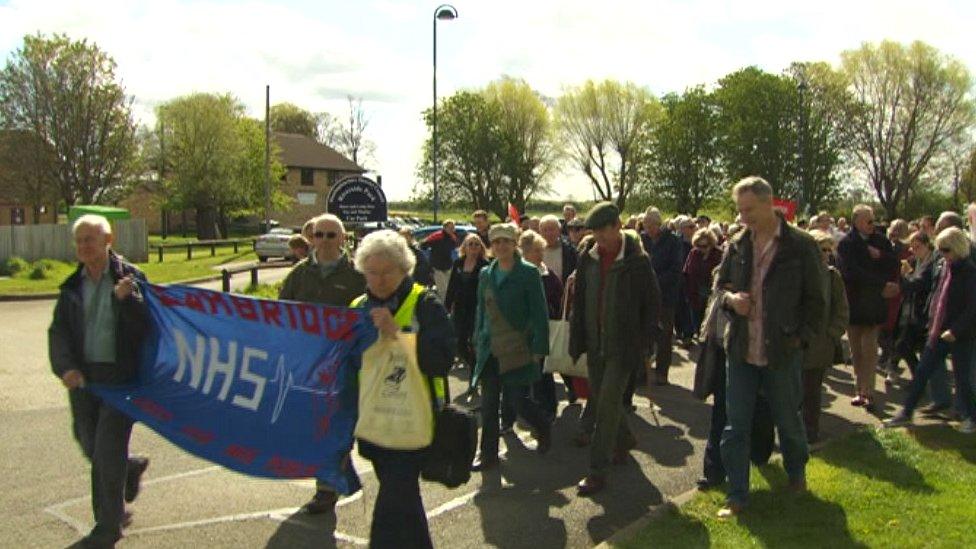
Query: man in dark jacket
616,303
99,324
773,279
442,245
559,256
868,264
326,276
666,254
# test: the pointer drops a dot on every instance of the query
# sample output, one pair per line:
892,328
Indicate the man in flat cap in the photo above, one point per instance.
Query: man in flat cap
616,303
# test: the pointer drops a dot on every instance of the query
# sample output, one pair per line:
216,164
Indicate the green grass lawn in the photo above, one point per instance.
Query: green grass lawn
267,291
174,268
875,488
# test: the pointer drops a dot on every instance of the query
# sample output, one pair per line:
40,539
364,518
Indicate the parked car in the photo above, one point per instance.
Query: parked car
420,233
274,244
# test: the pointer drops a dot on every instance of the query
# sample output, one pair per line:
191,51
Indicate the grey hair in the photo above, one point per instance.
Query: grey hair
652,215
385,243
954,239
530,238
91,220
860,210
549,218
949,219
755,185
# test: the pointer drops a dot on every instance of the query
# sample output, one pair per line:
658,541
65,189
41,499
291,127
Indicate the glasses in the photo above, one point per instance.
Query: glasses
329,235
945,250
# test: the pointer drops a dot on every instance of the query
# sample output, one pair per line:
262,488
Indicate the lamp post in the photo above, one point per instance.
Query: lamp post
444,12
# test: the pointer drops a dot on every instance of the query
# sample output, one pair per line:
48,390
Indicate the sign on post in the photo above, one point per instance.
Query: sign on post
357,199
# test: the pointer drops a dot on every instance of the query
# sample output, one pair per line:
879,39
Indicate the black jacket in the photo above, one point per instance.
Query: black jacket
66,336
570,259
442,247
793,298
462,292
960,312
916,288
668,261
865,277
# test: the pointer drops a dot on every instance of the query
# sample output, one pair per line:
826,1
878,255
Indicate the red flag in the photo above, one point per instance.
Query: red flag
513,213
788,207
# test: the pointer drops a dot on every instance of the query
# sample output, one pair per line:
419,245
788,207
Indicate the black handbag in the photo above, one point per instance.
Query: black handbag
450,455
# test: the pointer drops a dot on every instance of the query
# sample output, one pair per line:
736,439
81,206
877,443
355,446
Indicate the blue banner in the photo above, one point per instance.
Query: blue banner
259,386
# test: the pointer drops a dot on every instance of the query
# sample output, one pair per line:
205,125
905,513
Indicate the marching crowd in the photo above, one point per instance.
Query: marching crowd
765,302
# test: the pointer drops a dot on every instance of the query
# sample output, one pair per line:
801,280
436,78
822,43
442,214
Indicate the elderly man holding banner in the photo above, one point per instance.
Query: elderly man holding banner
96,337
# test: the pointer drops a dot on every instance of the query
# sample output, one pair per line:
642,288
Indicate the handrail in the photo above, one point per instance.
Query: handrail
253,268
236,242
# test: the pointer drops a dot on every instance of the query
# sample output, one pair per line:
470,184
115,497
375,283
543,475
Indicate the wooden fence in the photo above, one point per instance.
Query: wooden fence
33,242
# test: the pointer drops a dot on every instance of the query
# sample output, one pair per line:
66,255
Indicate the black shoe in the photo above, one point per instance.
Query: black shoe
482,464
934,410
544,439
591,485
133,477
705,483
322,502
506,428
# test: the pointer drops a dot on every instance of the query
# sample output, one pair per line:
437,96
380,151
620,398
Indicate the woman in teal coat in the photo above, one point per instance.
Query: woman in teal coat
511,334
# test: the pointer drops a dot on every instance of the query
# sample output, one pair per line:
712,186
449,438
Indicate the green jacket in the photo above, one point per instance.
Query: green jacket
821,350
793,294
306,282
631,305
523,303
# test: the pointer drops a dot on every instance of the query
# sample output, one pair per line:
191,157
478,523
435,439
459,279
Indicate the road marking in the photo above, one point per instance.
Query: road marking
451,505
185,474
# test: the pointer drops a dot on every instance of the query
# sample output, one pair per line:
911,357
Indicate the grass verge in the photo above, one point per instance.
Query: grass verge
174,268
874,488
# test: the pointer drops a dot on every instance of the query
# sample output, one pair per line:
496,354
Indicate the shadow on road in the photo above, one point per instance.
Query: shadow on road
304,530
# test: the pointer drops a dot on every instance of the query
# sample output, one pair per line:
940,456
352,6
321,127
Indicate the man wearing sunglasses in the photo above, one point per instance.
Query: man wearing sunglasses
326,276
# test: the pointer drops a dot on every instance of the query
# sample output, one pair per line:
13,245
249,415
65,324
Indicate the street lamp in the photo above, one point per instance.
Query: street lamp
444,12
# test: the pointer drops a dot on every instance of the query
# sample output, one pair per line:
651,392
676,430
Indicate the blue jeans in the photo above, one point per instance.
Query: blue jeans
933,356
782,387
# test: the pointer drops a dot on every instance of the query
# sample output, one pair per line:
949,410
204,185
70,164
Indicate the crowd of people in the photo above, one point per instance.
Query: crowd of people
765,302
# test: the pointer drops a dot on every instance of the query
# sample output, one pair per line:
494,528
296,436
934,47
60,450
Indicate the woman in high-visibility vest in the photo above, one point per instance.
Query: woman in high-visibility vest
396,305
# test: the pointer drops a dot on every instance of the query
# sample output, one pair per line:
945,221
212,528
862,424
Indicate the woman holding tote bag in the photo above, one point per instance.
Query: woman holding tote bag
414,334
511,336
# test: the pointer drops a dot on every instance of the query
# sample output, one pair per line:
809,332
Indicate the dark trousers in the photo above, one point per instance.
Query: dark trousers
544,394
761,443
399,520
492,388
812,397
665,343
934,355
103,433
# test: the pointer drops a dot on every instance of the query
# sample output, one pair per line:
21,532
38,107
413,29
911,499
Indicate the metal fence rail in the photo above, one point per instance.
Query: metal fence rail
225,274
212,244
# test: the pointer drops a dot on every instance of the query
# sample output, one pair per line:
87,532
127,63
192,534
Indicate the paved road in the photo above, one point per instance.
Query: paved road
189,502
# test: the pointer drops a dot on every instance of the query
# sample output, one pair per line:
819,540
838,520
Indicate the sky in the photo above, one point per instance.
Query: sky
315,54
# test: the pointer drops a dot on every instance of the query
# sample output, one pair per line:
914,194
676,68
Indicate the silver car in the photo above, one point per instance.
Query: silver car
274,244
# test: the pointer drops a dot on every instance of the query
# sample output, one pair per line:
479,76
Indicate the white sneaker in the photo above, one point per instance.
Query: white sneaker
968,426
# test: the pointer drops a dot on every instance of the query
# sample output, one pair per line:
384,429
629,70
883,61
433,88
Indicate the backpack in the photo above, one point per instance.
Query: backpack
450,455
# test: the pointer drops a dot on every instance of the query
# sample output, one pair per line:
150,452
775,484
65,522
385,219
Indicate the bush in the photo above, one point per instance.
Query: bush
13,266
39,272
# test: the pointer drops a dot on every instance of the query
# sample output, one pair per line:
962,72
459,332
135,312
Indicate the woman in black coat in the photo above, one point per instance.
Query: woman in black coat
462,293
951,329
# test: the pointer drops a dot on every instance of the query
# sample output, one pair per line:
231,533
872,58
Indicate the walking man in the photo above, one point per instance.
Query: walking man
614,321
774,295
99,324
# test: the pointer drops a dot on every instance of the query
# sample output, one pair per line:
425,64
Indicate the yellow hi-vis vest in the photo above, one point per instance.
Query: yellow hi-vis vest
406,319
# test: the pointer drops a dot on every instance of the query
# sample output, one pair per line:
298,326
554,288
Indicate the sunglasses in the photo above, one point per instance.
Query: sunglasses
330,234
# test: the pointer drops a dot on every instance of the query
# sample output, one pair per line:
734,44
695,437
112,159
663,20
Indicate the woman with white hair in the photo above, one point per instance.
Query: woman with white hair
397,304
951,329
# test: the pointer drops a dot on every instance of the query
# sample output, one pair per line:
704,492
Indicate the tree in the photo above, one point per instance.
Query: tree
349,137
214,159
528,155
756,121
602,127
966,190
495,146
823,132
685,171
911,103
290,118
65,93
25,170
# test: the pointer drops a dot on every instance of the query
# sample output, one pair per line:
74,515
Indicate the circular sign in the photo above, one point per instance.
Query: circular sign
357,199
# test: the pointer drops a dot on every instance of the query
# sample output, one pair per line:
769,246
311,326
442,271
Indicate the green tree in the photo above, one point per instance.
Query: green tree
290,118
65,92
823,131
756,121
911,103
214,160
604,128
686,172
